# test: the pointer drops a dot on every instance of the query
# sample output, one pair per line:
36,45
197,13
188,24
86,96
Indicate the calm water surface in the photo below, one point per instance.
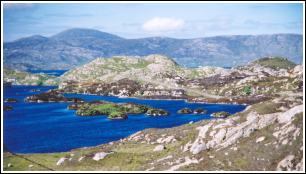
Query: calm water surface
50,127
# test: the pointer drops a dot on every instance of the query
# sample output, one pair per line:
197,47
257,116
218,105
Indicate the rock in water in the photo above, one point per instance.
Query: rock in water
200,111
7,108
184,111
10,100
157,112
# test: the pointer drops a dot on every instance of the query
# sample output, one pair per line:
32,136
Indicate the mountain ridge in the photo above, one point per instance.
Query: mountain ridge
74,47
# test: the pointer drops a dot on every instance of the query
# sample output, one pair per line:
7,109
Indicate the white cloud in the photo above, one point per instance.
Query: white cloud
158,24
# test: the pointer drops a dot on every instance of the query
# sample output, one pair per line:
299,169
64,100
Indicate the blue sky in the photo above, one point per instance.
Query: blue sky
145,20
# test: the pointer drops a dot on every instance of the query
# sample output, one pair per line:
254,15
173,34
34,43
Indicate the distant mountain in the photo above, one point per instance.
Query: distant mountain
75,47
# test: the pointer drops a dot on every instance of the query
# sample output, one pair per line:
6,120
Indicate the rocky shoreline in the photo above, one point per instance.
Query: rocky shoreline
266,136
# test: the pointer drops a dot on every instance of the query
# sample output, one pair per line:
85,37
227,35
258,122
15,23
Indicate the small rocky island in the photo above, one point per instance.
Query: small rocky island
10,100
51,96
112,110
189,111
95,108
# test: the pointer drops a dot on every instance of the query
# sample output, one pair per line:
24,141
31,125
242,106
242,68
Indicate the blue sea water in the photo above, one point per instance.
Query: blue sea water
49,72
50,127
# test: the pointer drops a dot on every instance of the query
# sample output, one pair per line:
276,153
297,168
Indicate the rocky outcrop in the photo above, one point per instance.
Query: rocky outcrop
7,108
51,96
99,156
112,110
157,112
61,161
10,100
159,148
229,133
184,111
200,111
220,114
15,77
286,164
287,116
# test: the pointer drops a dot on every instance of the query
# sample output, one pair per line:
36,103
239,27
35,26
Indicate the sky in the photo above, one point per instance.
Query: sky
138,20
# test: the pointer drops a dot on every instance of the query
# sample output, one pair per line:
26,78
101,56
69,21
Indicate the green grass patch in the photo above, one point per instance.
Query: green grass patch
276,63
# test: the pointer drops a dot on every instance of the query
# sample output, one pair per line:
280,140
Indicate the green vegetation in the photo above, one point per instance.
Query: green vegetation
276,63
266,107
117,114
247,90
110,109
221,114
25,78
135,109
114,111
140,64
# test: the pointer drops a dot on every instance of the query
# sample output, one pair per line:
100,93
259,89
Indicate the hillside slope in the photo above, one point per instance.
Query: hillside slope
157,76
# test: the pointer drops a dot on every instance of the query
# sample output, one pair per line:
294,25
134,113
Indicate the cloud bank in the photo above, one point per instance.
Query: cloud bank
158,24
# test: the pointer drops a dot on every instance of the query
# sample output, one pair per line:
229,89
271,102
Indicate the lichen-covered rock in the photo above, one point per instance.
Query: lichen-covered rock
287,116
260,139
166,140
61,161
197,147
100,155
159,148
286,163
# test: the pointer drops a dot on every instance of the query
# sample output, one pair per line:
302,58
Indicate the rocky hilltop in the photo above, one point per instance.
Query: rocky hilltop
158,76
74,47
15,77
150,76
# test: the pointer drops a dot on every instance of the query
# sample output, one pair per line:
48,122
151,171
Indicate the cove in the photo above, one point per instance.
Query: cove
51,127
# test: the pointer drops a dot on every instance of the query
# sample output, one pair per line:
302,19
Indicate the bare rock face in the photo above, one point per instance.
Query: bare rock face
197,147
100,155
286,163
159,148
223,133
198,144
187,161
61,161
166,140
260,139
287,116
